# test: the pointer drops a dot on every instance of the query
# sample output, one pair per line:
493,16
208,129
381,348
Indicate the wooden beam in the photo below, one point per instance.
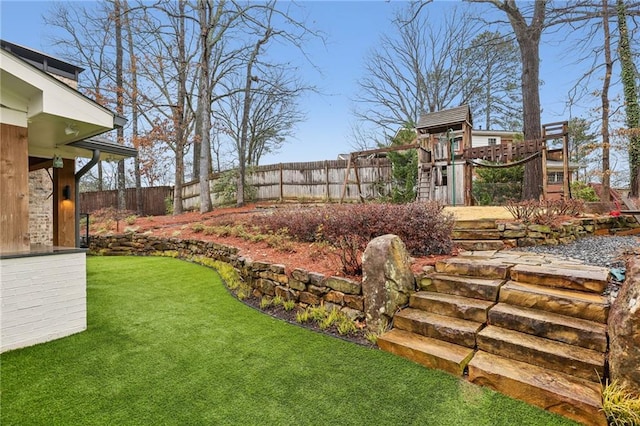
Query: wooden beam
14,189
386,149
64,231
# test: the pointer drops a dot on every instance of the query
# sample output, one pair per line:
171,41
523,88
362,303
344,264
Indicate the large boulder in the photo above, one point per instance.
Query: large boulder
624,330
387,280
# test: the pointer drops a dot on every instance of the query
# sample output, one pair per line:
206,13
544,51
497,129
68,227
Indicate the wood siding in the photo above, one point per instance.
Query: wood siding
14,188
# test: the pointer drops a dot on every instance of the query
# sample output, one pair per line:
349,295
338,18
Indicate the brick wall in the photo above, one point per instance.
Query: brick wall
45,303
40,208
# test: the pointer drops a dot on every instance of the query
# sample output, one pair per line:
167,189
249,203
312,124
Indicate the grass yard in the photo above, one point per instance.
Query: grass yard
167,345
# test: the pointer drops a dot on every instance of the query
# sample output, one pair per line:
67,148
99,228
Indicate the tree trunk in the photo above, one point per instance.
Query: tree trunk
631,100
204,108
528,37
608,67
133,95
179,112
117,11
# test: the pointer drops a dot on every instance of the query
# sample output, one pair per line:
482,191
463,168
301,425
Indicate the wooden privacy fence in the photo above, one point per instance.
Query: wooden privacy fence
310,181
153,200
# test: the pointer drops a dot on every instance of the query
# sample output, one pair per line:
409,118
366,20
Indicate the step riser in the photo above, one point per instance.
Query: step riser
480,245
428,352
556,393
567,362
473,269
593,337
596,309
474,224
471,313
475,234
460,288
592,280
439,332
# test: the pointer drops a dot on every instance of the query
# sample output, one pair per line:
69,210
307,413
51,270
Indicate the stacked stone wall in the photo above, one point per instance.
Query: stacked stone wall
40,208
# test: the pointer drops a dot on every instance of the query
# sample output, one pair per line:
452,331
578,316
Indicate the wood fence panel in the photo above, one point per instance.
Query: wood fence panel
316,180
153,200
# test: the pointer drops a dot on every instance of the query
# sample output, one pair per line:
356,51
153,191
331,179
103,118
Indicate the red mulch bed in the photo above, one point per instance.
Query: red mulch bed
305,255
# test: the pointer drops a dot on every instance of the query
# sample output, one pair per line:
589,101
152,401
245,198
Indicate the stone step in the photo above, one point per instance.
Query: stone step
481,268
475,234
475,224
559,393
479,245
475,288
577,304
454,330
561,328
579,277
573,360
429,352
451,305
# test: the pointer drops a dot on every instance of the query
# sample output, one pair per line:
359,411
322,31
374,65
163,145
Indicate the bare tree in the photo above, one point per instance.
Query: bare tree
493,62
420,68
528,30
608,66
87,42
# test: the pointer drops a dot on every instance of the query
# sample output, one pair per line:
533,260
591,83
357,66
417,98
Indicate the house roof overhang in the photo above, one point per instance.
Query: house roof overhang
57,116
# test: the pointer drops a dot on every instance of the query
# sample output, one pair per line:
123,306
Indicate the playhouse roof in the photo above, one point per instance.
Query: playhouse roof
441,121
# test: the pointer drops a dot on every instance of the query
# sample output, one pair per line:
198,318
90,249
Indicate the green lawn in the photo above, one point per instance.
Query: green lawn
166,344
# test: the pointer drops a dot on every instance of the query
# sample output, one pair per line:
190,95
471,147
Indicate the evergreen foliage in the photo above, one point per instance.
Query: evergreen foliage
497,186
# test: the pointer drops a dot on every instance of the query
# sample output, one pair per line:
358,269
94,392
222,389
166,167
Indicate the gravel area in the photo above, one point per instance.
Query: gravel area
606,251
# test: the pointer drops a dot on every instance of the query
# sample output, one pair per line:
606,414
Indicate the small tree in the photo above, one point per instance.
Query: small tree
404,167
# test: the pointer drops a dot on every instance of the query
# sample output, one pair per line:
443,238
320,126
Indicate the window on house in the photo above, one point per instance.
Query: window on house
493,141
443,175
555,177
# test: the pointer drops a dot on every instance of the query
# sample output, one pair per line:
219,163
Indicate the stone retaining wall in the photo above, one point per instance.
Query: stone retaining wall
532,234
304,287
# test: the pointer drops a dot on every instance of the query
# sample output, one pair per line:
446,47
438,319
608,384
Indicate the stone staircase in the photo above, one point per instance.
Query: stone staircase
482,234
523,324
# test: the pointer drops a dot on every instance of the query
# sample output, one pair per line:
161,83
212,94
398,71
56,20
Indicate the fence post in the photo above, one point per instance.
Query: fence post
326,173
281,184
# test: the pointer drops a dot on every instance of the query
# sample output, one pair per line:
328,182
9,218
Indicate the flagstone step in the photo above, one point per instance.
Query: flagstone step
554,391
577,277
451,305
475,288
454,330
561,328
577,304
473,245
427,351
475,234
468,266
475,224
573,360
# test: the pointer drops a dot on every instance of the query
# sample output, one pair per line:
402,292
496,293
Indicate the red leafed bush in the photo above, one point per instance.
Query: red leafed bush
423,227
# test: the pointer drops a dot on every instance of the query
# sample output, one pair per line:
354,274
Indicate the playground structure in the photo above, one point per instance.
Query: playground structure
446,162
446,157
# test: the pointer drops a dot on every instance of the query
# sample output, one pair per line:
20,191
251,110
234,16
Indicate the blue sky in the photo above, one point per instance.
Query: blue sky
352,29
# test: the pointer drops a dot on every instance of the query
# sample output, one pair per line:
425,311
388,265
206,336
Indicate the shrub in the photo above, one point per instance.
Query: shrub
197,227
130,220
495,186
582,191
422,226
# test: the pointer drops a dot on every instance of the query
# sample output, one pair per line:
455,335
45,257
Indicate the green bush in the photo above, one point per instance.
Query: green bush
497,186
582,191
